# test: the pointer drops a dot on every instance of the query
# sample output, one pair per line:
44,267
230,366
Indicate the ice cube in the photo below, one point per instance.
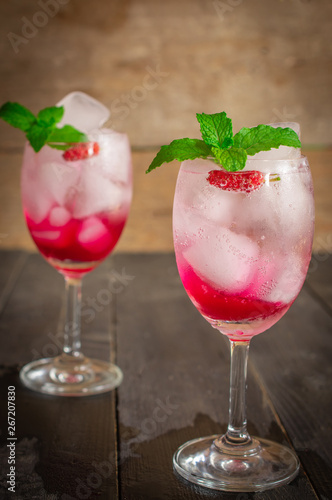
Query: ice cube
54,175
47,180
55,239
59,216
96,194
83,112
114,156
283,152
225,259
46,236
201,202
37,203
287,279
294,207
94,235
61,188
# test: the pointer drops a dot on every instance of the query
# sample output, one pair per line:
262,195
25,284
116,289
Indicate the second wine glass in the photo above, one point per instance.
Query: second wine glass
75,209
243,245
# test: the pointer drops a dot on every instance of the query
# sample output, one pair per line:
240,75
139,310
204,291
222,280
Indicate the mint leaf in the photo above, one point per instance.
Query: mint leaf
37,135
215,128
264,138
50,116
180,149
17,115
232,159
227,142
65,134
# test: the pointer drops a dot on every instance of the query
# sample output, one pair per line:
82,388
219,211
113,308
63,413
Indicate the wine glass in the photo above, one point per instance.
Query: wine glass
242,258
75,212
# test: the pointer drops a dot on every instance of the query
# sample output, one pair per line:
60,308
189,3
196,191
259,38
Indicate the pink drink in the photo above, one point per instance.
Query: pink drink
87,241
76,211
243,257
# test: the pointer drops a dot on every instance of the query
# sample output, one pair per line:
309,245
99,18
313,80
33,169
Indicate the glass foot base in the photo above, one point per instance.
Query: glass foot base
69,376
258,466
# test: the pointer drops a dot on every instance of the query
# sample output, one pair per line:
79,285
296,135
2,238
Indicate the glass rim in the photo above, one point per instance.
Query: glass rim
279,160
282,163
252,158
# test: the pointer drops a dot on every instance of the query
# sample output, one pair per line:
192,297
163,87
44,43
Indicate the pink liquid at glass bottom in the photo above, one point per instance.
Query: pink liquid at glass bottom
239,316
77,246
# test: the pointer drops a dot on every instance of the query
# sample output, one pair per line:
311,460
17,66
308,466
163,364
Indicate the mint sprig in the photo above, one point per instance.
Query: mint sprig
42,129
218,142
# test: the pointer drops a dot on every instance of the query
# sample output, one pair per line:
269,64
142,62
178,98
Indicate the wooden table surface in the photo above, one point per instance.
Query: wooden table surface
176,374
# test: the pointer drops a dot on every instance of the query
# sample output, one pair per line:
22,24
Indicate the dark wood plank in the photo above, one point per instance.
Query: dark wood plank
69,444
11,265
175,388
319,278
29,321
294,362
65,446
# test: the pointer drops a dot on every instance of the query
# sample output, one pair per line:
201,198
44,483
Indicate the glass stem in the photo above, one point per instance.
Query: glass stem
72,326
237,423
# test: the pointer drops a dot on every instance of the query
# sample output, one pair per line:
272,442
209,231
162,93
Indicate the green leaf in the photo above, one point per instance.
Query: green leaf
17,115
37,135
66,134
215,128
180,149
227,143
50,116
264,138
232,159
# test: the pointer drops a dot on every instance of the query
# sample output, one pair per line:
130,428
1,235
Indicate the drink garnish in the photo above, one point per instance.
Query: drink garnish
228,150
231,181
81,151
42,129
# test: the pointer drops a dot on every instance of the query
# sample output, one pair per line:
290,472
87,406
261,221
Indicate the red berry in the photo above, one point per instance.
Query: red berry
236,181
81,151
